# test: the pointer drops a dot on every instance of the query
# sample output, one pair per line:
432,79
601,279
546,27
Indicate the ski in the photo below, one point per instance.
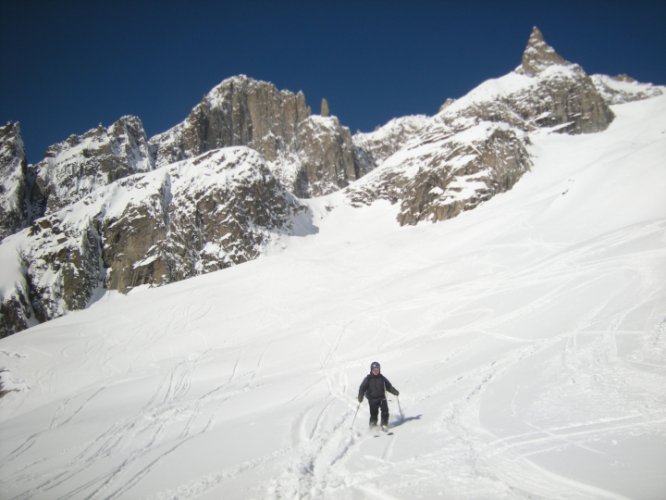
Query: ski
383,430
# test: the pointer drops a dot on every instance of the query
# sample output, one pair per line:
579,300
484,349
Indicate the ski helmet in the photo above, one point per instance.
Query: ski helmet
374,365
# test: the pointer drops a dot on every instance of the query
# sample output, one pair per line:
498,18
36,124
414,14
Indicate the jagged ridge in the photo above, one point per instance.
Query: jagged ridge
113,210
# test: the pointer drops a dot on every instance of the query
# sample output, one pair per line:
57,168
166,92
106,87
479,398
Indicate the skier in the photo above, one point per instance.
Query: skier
373,387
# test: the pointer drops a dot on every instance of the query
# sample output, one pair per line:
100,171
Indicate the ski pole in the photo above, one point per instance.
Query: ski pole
354,419
402,415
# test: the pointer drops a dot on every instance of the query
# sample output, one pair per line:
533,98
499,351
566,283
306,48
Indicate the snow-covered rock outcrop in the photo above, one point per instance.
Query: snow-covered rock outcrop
312,154
545,90
623,88
447,169
322,159
372,148
15,187
195,216
74,168
475,147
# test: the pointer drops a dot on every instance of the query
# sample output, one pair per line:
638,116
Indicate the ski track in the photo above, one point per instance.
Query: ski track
322,443
167,411
174,385
315,474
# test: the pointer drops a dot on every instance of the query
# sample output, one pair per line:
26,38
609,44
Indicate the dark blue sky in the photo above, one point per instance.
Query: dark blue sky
69,65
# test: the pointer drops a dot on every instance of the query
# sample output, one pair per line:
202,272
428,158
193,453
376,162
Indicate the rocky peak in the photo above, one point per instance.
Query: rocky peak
325,111
11,129
312,155
476,146
240,111
13,207
544,91
74,168
538,55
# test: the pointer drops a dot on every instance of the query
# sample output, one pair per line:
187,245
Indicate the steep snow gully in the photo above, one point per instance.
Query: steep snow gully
527,338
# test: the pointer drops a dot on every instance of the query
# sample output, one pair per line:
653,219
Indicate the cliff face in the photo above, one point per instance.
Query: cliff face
199,215
311,154
323,156
555,92
196,216
14,205
74,168
240,111
452,166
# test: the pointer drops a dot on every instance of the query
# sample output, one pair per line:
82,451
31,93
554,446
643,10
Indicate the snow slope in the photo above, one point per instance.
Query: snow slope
527,338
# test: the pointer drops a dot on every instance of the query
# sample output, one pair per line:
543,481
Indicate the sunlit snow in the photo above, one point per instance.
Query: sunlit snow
527,338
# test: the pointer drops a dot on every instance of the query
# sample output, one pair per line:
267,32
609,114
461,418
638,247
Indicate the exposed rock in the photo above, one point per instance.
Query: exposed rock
325,112
15,185
562,95
372,148
538,55
323,161
451,168
15,312
312,155
62,263
78,166
622,89
240,111
544,91
200,215
476,146
569,101
213,211
134,235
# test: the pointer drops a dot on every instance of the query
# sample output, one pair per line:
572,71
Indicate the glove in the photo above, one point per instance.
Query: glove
360,399
397,392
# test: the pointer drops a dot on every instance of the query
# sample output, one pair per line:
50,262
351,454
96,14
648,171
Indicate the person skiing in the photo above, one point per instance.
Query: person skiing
373,387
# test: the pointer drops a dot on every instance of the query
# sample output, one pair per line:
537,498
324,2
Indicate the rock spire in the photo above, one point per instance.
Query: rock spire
538,55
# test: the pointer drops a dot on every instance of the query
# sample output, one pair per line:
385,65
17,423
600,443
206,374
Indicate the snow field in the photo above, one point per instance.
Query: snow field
527,338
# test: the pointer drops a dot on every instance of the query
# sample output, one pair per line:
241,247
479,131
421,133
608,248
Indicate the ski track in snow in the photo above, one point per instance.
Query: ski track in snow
325,452
531,362
316,475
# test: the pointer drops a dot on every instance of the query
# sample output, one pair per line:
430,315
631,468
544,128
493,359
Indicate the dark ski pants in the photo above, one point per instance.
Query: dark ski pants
375,405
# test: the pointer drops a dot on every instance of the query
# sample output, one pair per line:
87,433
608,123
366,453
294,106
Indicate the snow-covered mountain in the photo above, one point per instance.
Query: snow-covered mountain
475,147
527,338
68,248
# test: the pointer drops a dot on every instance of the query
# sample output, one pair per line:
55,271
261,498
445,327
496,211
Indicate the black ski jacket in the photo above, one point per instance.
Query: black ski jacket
374,387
